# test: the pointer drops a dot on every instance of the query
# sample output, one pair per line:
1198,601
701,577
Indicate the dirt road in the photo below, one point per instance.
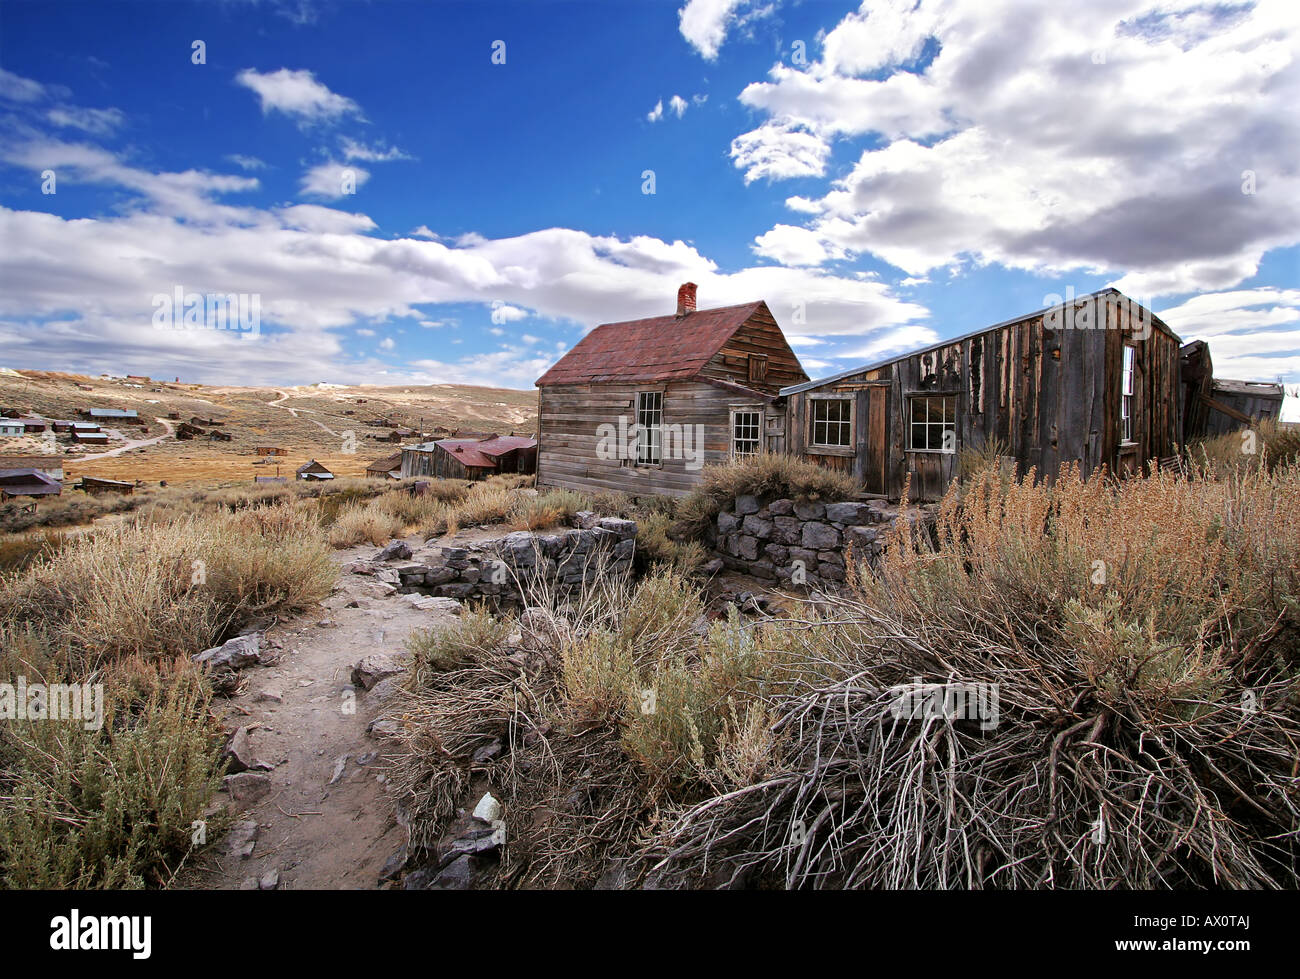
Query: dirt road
132,444
309,724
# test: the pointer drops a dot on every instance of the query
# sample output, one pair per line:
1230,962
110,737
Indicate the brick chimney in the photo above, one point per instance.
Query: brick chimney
686,298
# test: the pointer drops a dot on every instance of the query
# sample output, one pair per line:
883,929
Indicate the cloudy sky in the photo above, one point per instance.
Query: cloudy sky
421,192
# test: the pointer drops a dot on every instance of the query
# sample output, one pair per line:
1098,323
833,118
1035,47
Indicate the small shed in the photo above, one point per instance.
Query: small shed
185,431
470,458
270,450
88,437
11,428
270,479
27,482
314,470
96,486
389,467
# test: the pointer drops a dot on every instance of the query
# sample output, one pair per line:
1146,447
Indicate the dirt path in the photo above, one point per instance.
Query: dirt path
313,833
284,396
131,444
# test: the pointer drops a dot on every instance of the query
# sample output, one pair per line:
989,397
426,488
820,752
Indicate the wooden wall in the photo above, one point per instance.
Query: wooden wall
571,414
758,336
1048,396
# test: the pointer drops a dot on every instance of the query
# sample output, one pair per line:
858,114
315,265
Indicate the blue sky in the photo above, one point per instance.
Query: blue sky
884,174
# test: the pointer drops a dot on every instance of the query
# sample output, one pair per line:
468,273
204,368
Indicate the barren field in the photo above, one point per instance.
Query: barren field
326,423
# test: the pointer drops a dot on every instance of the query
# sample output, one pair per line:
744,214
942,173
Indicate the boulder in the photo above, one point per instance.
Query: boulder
234,654
746,505
756,526
394,550
820,536
375,667
810,511
585,519
247,786
781,508
850,514
625,529
786,530
239,753
747,547
727,523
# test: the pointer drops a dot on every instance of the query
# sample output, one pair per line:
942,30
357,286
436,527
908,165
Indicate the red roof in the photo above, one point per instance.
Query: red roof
482,454
662,348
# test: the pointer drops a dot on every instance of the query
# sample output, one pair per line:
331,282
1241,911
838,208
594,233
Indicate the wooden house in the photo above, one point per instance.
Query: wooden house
389,467
270,450
470,458
113,416
27,482
49,465
641,406
314,470
1215,406
1093,381
12,428
89,436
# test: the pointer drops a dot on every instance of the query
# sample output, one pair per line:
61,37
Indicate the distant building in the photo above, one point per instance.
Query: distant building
88,437
96,486
27,482
270,479
389,467
119,416
270,450
11,428
314,470
470,458
51,466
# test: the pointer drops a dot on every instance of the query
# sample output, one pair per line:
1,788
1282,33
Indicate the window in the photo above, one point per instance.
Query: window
757,368
746,433
649,416
933,418
1126,395
832,422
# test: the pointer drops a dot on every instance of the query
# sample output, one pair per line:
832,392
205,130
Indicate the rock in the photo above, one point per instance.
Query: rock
786,530
271,695
327,624
820,536
850,514
269,881
830,572
456,876
248,884
488,809
585,519
781,508
712,567
756,526
625,529
247,786
777,553
393,865
809,511
340,766
241,839
395,550
371,589
384,690
488,752
375,667
233,654
455,591
747,547
862,539
434,603
727,523
383,728
239,753
746,505
763,569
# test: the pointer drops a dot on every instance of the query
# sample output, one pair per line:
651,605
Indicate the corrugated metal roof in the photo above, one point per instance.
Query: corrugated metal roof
661,348
482,454
113,413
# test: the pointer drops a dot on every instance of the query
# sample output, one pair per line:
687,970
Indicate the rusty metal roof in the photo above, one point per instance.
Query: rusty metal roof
661,348
482,453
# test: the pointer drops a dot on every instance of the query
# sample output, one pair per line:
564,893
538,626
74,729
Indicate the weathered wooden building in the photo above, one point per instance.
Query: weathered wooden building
470,458
1093,381
641,406
314,470
1215,406
389,467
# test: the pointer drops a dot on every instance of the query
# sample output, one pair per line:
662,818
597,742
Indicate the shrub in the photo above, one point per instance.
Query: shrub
766,475
364,524
475,633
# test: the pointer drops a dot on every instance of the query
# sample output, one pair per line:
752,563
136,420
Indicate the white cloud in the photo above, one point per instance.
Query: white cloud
246,162
657,113
100,122
678,105
297,94
1116,143
387,343
706,23
330,180
352,150
789,245
16,88
1253,334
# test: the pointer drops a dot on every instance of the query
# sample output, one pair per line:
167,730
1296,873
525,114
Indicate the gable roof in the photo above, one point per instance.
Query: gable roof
483,453
661,348
1100,293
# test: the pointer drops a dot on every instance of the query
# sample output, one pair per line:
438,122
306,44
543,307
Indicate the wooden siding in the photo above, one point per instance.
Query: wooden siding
758,336
572,414
1050,396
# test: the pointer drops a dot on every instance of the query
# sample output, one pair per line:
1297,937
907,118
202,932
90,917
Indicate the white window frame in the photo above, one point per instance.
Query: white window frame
847,423
757,428
1128,370
650,419
944,423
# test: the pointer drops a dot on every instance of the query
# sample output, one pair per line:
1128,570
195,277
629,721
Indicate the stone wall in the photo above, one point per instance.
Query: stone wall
496,568
802,543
